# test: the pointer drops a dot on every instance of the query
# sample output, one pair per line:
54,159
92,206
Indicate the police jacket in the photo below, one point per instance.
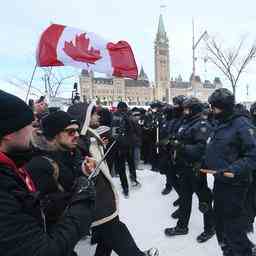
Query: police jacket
173,126
192,135
232,146
122,130
21,224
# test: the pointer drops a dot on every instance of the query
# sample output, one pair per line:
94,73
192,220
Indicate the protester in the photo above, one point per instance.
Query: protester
22,226
108,231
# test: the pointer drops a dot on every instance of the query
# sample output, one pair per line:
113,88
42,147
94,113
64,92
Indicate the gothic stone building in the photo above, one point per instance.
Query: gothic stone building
141,91
109,90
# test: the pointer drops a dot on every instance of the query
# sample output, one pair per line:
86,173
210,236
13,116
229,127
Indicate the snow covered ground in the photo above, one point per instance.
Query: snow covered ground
147,213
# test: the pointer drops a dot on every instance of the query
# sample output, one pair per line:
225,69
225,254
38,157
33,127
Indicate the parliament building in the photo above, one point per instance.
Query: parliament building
142,91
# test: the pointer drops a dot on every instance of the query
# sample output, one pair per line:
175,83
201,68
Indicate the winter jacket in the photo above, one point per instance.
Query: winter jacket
106,201
192,134
232,146
22,226
123,129
54,173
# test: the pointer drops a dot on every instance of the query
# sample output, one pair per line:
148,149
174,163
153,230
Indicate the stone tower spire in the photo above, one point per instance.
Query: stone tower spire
162,62
143,75
161,30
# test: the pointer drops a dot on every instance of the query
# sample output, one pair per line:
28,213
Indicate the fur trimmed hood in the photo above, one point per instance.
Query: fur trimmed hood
82,113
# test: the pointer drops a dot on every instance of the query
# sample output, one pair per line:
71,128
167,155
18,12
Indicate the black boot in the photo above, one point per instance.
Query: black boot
205,236
253,250
204,207
226,250
135,184
175,231
176,202
126,193
166,190
176,214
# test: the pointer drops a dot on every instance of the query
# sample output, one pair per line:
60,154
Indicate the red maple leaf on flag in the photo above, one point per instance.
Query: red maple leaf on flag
80,51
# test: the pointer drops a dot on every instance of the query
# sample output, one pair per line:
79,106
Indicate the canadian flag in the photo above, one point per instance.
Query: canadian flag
67,46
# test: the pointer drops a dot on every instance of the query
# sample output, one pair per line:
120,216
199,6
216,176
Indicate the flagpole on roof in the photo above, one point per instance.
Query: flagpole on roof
30,83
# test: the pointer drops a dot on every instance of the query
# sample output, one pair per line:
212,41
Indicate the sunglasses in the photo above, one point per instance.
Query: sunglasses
72,131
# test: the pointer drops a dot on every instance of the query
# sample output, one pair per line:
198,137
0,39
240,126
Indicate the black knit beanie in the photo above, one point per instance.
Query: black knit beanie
122,105
15,114
55,123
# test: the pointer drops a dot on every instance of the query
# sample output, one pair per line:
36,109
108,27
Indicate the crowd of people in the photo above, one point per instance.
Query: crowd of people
57,172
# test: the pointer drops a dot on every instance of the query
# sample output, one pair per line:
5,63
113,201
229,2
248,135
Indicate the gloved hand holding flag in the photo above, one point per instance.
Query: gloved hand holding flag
66,46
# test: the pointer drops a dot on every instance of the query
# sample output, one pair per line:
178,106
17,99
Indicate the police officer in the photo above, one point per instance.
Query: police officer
122,131
173,128
157,120
164,159
189,150
231,158
253,113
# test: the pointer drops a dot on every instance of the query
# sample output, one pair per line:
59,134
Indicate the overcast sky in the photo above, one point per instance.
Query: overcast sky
21,23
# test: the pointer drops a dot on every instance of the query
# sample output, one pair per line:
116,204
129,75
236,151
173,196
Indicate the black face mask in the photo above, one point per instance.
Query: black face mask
187,115
253,117
223,116
177,112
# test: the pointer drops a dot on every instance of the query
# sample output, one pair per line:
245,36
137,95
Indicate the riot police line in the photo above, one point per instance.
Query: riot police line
186,142
176,140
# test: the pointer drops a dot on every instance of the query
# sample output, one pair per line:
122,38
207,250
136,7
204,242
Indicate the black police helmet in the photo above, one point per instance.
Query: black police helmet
122,106
239,108
253,109
156,104
194,104
178,100
223,99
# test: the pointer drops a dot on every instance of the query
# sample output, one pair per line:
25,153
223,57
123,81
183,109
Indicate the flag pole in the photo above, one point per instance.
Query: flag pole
30,83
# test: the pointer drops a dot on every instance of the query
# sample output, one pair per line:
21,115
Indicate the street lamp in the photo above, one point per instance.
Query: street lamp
194,45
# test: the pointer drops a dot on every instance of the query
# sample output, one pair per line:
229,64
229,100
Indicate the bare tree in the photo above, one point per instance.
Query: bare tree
231,62
49,82
53,81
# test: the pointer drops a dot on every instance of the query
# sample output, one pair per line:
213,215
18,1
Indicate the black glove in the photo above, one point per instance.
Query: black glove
81,205
177,145
163,142
203,207
219,174
84,190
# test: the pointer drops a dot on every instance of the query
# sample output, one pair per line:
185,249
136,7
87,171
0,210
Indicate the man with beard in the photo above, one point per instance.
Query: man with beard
231,158
22,224
189,145
108,231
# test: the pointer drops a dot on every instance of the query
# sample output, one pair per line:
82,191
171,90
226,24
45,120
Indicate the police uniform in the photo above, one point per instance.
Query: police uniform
189,145
232,147
193,134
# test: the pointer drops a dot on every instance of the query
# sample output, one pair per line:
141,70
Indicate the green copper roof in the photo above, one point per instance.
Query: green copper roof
161,29
143,75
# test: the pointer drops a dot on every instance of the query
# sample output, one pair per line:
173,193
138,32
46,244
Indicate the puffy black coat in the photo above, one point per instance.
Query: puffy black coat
232,146
21,225
123,129
193,134
55,191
